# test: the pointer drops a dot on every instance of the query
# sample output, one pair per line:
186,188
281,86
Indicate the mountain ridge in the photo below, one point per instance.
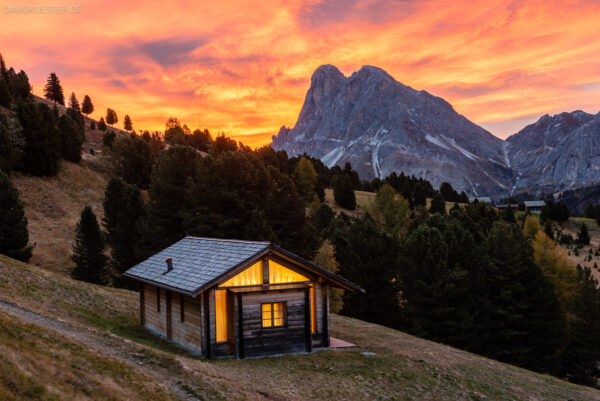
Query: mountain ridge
380,125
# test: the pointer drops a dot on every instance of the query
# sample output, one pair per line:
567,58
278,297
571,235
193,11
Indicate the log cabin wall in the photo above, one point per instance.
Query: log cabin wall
260,341
188,333
154,320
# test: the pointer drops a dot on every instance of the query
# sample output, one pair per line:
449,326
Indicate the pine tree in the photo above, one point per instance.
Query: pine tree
111,117
419,197
3,71
71,138
101,124
87,107
53,90
366,256
525,325
123,208
438,204
168,191
74,103
127,125
88,252
132,159
582,353
43,146
343,192
5,97
583,236
14,237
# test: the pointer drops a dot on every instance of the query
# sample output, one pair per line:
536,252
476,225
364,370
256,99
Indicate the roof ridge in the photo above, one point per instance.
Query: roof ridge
229,240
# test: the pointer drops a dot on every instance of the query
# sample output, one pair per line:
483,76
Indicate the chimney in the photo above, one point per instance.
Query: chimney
169,264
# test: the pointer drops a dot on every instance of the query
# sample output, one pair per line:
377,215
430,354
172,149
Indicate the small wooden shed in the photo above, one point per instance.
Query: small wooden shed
219,298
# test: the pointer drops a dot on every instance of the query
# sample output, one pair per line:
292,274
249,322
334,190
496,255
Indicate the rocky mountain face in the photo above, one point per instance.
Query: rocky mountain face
556,153
380,125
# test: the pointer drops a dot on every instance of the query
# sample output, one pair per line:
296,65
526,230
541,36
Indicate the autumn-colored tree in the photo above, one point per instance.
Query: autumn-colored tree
390,210
326,259
305,177
557,267
531,227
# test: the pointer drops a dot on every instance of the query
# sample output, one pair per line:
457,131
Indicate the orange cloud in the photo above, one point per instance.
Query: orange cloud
243,67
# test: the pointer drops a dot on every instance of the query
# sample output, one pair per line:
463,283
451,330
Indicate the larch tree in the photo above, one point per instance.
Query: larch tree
91,264
390,210
53,90
305,177
87,107
325,258
14,237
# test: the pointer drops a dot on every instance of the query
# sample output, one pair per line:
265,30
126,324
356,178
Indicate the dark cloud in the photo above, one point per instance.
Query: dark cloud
329,12
117,83
170,51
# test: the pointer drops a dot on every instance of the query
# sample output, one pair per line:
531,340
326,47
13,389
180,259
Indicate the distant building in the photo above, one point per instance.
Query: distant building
481,199
513,206
534,206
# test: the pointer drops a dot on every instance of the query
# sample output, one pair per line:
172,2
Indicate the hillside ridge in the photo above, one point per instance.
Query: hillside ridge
385,362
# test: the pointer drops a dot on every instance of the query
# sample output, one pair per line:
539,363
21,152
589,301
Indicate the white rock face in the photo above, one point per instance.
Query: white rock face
380,125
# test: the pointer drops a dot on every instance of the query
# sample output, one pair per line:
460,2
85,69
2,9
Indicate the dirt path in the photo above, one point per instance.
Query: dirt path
131,353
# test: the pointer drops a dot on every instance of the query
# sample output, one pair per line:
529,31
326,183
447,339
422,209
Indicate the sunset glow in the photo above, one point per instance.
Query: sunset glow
243,67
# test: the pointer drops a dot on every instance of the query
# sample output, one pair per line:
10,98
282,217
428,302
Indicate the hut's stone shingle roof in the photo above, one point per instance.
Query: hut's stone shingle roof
196,262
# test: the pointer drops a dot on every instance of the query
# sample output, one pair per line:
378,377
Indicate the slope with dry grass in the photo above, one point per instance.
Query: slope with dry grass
53,206
386,364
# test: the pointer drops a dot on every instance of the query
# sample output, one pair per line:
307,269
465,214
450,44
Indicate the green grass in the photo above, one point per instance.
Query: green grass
38,364
403,367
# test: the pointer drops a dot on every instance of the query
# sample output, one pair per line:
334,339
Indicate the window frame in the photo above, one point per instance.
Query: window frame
284,318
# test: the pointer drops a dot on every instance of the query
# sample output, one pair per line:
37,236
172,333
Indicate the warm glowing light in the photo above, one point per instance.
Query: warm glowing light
313,309
279,274
221,315
251,276
243,67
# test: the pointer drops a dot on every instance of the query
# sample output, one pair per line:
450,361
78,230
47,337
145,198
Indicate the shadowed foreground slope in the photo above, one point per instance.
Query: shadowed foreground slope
99,343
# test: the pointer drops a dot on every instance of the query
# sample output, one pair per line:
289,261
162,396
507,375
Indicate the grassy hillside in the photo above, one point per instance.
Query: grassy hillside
362,201
105,353
53,206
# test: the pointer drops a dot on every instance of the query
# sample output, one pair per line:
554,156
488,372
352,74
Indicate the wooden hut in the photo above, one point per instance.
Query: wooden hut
219,298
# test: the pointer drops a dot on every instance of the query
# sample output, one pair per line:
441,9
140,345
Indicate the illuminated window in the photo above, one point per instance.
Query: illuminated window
221,315
251,276
273,315
279,274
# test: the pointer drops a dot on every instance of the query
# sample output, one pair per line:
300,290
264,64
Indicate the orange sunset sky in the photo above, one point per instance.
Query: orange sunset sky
243,67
